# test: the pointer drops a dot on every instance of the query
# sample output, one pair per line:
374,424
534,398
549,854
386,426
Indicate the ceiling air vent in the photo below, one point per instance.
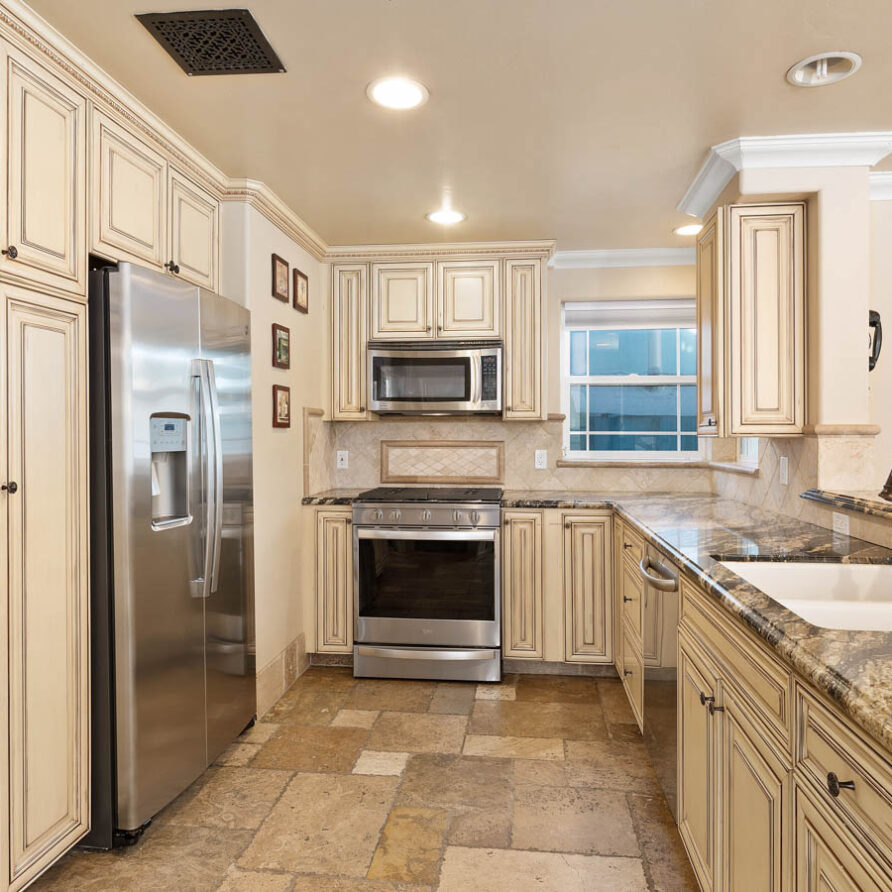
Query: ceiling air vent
214,41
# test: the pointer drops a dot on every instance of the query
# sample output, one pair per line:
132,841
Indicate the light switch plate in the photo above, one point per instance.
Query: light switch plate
343,458
541,459
840,523
784,470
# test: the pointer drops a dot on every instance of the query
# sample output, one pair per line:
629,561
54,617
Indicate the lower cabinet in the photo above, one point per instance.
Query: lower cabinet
334,580
45,659
588,605
522,608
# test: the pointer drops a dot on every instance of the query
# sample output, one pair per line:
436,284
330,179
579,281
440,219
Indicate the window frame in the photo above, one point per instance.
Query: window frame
661,456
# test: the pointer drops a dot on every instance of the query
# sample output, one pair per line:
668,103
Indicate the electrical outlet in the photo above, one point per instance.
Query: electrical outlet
541,459
840,523
784,470
343,458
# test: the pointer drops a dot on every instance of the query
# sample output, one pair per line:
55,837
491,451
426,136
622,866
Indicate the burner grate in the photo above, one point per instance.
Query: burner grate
213,41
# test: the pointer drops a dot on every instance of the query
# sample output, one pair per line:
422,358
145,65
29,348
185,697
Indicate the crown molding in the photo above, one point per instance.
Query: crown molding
794,150
542,249
880,185
623,257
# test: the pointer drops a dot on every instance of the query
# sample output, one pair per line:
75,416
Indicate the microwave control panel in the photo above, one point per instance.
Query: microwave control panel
489,372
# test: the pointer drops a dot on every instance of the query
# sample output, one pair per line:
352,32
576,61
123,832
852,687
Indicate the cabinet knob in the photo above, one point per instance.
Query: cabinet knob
11,252
711,422
12,487
628,672
704,699
173,267
834,785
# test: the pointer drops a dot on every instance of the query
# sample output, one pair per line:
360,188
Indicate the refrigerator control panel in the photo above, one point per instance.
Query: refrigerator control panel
168,434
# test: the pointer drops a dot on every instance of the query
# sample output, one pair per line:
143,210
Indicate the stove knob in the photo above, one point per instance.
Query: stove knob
475,517
456,516
425,515
378,514
396,514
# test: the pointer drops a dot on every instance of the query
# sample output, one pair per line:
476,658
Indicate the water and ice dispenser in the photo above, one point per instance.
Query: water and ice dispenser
169,439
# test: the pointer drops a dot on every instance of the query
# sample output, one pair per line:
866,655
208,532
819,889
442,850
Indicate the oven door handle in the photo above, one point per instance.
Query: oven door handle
427,535
394,653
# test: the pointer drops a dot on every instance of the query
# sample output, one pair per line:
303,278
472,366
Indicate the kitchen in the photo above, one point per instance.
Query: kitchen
561,556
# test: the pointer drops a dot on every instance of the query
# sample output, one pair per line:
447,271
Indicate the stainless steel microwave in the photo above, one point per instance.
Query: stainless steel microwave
435,377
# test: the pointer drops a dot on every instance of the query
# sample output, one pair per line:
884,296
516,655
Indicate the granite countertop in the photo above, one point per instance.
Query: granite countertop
853,668
860,502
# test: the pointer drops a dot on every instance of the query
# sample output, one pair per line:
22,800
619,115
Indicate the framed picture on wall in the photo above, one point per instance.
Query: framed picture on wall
281,406
301,292
280,278
281,347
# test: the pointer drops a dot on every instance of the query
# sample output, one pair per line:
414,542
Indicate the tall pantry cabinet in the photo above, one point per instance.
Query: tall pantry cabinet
44,605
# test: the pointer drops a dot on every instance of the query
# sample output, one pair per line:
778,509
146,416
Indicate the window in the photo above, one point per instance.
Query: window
629,380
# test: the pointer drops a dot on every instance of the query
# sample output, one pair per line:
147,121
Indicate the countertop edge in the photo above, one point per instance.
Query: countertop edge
859,504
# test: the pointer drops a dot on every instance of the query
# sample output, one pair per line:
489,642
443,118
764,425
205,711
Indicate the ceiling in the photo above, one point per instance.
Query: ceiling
579,120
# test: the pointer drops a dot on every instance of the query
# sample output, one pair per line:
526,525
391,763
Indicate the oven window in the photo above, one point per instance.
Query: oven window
427,579
421,379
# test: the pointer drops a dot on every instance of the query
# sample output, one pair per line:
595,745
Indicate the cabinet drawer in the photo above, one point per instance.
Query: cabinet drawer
825,744
633,676
751,667
633,545
632,597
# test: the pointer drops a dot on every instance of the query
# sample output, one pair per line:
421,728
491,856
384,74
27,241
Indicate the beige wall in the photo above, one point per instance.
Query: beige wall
880,379
283,553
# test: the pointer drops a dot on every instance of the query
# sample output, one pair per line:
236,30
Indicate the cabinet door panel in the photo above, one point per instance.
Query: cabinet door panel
49,707
586,572
709,327
402,300
522,607
524,339
129,201
45,182
334,582
349,348
469,299
194,231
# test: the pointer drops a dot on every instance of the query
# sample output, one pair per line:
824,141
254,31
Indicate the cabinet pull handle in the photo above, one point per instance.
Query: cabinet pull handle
627,599
11,252
704,699
713,709
628,672
628,545
173,267
711,422
834,785
12,487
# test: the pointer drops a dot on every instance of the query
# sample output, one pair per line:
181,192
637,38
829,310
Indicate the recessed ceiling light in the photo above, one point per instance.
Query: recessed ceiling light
688,229
397,92
823,69
446,216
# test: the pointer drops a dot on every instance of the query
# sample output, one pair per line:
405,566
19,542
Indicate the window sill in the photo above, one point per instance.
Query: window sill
645,463
734,467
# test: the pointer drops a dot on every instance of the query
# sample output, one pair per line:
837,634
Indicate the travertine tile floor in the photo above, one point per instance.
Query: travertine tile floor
540,783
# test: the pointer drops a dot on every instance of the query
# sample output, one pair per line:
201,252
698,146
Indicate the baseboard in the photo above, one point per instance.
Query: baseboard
280,673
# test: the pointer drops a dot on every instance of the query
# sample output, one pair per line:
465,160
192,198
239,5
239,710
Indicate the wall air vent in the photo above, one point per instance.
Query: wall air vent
214,41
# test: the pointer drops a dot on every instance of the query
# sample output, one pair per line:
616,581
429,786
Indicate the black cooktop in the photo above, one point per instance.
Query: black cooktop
431,494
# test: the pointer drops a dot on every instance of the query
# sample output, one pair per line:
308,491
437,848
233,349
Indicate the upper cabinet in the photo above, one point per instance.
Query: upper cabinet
146,211
469,303
402,301
751,321
524,339
349,342
44,223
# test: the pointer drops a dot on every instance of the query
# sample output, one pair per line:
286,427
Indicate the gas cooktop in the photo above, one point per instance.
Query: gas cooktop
431,494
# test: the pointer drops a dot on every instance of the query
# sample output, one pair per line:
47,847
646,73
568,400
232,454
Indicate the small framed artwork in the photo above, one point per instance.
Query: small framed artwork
281,347
280,278
301,292
281,406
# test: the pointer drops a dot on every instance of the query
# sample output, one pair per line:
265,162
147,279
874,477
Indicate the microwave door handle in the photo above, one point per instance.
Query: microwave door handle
476,378
217,512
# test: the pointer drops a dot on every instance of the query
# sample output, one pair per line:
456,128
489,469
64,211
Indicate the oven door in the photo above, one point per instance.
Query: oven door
427,587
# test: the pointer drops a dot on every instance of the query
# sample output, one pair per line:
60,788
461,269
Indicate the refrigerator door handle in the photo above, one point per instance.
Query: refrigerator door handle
217,511
201,585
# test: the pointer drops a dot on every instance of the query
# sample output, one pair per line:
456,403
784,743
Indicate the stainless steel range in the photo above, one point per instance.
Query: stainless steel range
426,583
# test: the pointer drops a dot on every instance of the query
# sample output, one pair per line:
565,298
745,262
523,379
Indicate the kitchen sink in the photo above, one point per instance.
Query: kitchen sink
829,595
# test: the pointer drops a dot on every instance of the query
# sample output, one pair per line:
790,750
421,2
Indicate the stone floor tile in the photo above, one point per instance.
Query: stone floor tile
625,733
615,702
410,846
259,732
665,860
539,773
481,827
326,678
390,694
611,765
564,819
496,692
474,870
305,748
453,699
418,733
371,762
323,823
533,719
450,781
238,798
301,706
255,881
315,883
558,689
355,718
238,754
514,747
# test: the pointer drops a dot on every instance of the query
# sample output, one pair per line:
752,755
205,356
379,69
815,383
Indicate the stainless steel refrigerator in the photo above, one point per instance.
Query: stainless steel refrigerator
172,536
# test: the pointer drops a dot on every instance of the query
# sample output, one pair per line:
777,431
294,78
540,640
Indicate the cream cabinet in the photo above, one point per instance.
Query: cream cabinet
588,605
334,580
402,302
524,339
146,211
47,651
751,321
350,302
522,607
44,187
469,299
